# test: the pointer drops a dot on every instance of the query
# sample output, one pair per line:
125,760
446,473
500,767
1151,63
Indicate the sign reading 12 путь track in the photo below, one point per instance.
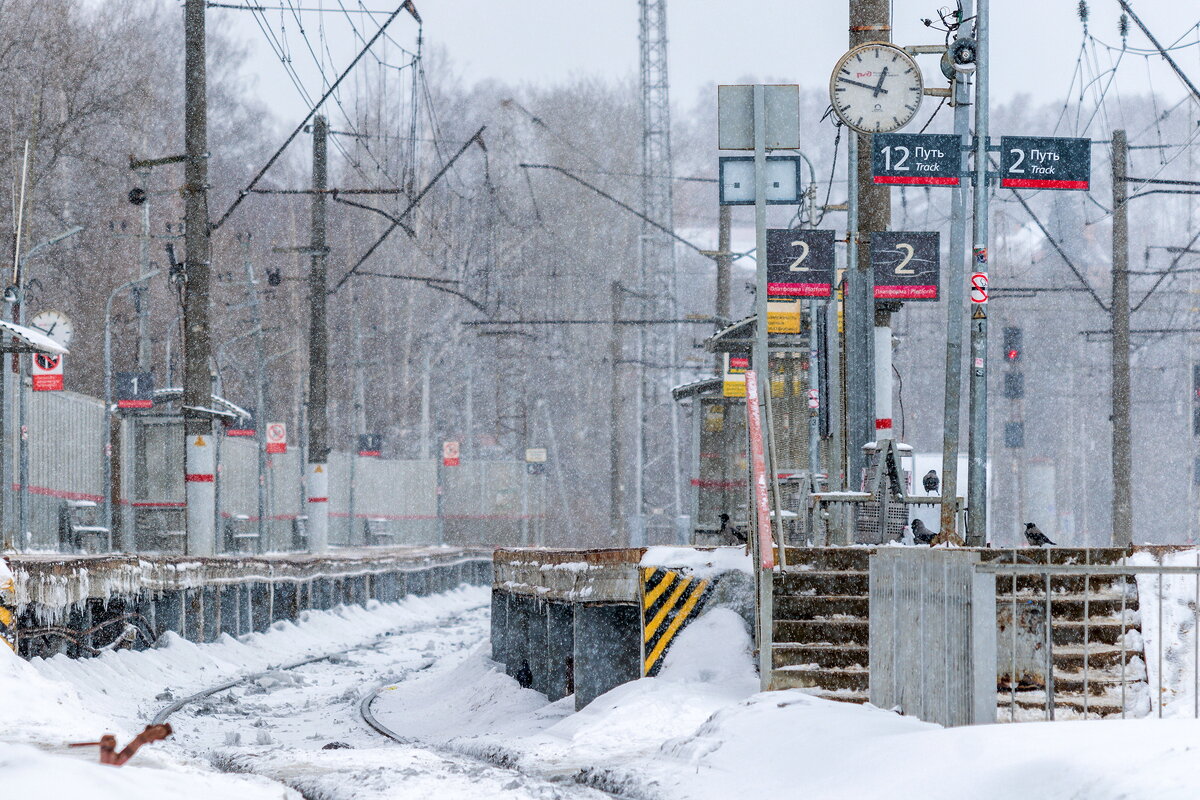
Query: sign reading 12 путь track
916,159
1043,162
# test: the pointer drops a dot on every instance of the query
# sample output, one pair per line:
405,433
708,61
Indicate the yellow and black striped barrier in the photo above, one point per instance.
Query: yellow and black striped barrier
670,600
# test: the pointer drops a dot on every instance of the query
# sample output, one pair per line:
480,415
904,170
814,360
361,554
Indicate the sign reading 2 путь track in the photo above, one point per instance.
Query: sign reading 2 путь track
907,264
916,159
800,263
1044,162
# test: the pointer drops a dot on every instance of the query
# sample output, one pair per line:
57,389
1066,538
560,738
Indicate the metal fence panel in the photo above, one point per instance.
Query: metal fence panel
933,635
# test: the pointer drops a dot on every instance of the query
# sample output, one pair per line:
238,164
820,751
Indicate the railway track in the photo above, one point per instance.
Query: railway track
316,731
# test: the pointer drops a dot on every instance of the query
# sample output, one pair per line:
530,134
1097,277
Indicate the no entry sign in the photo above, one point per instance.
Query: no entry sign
1045,162
47,372
276,437
799,263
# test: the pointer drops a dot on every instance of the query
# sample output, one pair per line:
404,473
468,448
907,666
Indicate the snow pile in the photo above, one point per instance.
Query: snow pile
29,772
1175,638
701,562
40,710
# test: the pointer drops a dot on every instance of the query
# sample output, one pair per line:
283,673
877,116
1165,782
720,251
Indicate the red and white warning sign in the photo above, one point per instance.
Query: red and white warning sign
449,454
276,437
979,287
47,372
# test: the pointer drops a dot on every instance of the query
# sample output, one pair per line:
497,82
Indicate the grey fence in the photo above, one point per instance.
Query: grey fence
933,635
372,500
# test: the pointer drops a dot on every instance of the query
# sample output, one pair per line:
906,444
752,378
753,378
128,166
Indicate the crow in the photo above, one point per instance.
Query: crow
730,531
921,534
930,481
1035,537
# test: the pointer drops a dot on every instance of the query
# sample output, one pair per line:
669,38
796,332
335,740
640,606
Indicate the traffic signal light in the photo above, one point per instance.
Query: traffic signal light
1196,399
1012,344
1014,385
274,277
1014,434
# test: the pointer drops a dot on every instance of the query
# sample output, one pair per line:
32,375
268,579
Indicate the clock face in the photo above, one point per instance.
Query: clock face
54,324
876,88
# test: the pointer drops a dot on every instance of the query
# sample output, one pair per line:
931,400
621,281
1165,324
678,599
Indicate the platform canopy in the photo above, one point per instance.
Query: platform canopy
28,340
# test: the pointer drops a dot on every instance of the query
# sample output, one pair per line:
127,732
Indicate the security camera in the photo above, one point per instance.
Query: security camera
963,53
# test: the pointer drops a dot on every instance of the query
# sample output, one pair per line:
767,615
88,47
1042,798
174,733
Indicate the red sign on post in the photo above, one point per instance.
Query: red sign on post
276,437
449,454
47,372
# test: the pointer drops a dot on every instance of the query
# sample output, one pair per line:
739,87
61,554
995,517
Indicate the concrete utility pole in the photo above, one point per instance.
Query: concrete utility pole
616,491
318,353
870,416
977,453
955,279
1122,420
141,303
200,466
253,299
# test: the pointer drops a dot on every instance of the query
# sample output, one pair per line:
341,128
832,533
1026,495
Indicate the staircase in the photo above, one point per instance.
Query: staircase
822,620
821,623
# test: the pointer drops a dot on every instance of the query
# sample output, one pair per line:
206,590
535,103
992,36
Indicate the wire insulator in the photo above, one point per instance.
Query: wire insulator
1082,11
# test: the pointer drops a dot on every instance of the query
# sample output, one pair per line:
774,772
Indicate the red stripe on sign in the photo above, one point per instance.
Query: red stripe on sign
158,505
930,180
1035,183
318,499
135,404
798,290
906,292
198,477
883,424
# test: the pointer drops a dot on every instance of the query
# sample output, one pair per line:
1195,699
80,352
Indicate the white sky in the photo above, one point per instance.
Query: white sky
1034,42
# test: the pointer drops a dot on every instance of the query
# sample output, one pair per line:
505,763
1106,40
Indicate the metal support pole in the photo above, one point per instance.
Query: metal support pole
141,301
859,313
1122,432
977,490
616,494
761,365
955,279
199,467
260,393
318,354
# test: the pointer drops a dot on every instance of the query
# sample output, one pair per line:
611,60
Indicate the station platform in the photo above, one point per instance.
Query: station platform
83,604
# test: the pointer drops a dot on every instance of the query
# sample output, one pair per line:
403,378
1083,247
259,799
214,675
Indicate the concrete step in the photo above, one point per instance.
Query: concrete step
823,655
1032,706
782,681
1072,606
1098,656
1057,555
849,631
792,607
801,559
1103,630
803,676
823,582
1072,584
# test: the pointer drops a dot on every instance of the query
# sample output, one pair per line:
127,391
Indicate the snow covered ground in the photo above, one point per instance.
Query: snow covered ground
699,730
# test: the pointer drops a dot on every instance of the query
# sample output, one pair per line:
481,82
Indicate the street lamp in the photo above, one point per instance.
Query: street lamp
126,536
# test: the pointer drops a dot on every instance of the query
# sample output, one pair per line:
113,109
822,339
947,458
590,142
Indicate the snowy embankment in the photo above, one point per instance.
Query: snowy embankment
702,730
48,703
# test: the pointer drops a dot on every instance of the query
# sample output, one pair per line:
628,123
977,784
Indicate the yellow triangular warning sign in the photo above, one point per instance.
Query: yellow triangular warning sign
978,312
200,442
319,468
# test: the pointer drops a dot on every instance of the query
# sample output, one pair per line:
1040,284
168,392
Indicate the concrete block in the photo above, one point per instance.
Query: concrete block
499,626
607,648
560,645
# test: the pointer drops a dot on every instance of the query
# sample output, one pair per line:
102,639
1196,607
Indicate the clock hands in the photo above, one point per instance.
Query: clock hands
876,89
879,86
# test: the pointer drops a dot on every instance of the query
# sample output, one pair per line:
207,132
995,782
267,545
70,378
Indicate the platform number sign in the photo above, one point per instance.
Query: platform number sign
134,389
907,264
800,263
916,159
370,444
47,374
1045,162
